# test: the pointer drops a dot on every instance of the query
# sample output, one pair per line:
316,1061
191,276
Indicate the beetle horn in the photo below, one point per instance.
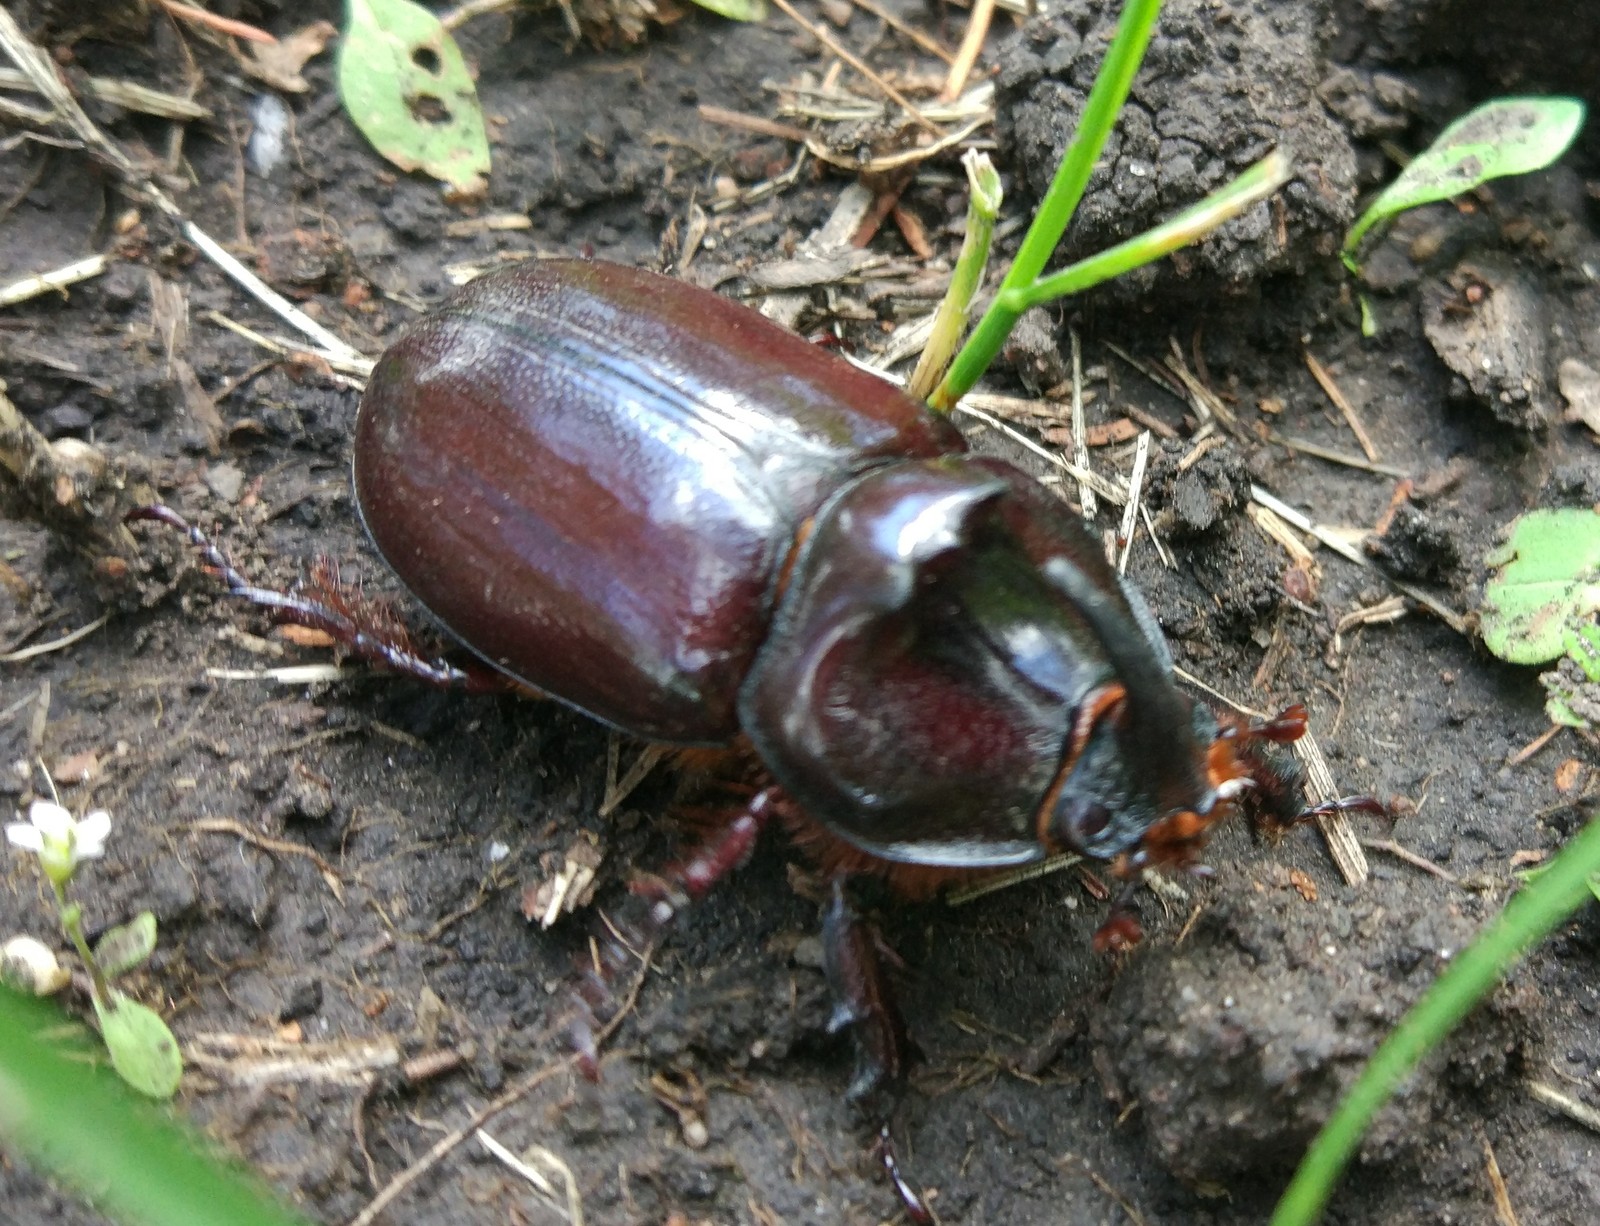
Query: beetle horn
1158,714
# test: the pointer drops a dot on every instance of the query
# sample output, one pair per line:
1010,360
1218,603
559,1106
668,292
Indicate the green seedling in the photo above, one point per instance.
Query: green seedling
1505,136
1548,584
1025,284
1541,606
406,87
143,1051
1560,890
75,1120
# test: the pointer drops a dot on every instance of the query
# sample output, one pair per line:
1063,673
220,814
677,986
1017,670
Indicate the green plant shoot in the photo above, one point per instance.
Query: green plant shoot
75,1121
1505,136
406,87
1024,285
1559,891
1548,584
143,1050
984,195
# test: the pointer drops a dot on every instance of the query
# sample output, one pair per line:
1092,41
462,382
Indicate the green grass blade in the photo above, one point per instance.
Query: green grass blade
1100,111
1528,917
1191,225
85,1127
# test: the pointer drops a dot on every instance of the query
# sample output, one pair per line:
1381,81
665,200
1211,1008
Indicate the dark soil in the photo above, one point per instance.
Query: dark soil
1177,1084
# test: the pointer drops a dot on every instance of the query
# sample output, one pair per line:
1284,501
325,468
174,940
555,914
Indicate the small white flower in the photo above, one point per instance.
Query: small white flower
59,840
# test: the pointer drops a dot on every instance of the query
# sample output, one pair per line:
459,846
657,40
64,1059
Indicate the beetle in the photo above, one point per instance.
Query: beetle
652,504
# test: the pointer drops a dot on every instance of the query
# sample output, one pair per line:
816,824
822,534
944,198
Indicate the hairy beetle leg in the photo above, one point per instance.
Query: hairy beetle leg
665,894
332,607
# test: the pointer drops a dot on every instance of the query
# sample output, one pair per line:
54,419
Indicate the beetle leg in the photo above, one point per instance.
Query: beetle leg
333,609
666,893
862,997
916,1208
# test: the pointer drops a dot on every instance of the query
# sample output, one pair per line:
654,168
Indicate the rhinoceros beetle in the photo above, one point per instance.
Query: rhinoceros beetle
650,503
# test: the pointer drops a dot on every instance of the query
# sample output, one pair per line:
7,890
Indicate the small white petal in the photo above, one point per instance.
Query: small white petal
92,832
25,836
54,822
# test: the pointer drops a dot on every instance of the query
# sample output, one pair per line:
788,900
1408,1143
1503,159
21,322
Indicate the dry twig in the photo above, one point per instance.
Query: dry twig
1336,394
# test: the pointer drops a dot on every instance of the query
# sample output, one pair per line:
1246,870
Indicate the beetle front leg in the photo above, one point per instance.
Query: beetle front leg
862,999
667,893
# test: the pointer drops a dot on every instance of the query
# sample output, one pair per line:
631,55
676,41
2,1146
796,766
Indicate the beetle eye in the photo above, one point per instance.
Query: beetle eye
1091,818
1079,820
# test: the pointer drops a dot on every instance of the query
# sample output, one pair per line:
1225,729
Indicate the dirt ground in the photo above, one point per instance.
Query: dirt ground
342,867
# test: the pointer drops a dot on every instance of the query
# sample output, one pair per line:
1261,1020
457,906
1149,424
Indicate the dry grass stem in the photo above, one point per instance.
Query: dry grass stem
1130,512
1274,529
1390,847
1319,452
1342,403
282,847
41,72
1080,433
1150,527
515,1093
293,674
971,48
60,644
1380,614
356,367
849,57
1503,1211
931,45
893,161
129,95
1102,487
1534,746
1007,878
211,21
569,1206
56,279
758,124
1336,829
618,790
1574,1110
260,1061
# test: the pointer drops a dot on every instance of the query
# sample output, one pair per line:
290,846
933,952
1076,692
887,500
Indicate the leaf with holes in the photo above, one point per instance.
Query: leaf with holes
126,946
1505,136
403,80
143,1050
1548,585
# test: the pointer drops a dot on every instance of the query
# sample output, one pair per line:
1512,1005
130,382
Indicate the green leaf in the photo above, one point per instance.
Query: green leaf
403,80
126,946
1574,684
1505,136
143,1051
1549,584
68,1115
736,10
